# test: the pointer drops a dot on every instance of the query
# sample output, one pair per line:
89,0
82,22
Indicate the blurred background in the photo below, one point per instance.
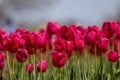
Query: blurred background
35,14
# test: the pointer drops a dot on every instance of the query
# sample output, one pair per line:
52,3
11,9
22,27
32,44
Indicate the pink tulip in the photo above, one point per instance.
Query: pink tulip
102,45
44,66
21,55
59,44
40,39
1,61
90,38
58,59
113,56
12,43
69,48
29,68
52,27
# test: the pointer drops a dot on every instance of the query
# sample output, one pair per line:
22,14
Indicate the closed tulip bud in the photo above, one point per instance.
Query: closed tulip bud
69,48
29,68
40,40
12,44
58,59
90,38
1,61
52,27
78,43
59,44
44,66
102,45
29,40
93,28
113,56
116,45
118,34
113,26
21,55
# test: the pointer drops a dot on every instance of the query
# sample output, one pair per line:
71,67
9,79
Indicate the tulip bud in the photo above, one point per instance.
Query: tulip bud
69,48
52,27
59,44
102,45
90,38
29,68
12,44
78,43
113,56
1,61
21,55
58,59
40,39
113,26
44,66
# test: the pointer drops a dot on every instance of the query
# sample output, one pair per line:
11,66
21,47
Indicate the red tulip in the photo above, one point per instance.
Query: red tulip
69,48
1,61
113,56
78,43
113,26
93,28
102,45
118,34
40,40
59,44
52,27
44,66
29,40
116,45
21,55
110,27
90,38
58,59
65,33
12,44
29,68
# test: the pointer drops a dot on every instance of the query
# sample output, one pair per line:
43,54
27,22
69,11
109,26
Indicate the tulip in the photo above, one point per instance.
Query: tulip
111,27
65,33
90,38
59,44
29,40
69,48
102,45
1,61
116,45
44,66
52,27
118,34
21,55
113,56
92,28
78,43
29,68
40,40
12,44
58,59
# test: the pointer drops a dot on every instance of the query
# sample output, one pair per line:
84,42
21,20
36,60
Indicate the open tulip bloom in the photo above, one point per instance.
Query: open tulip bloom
61,53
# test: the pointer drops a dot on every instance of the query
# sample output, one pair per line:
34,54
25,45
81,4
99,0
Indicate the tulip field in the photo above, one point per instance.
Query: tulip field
61,52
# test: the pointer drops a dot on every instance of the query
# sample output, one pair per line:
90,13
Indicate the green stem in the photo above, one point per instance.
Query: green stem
34,66
8,64
41,65
13,66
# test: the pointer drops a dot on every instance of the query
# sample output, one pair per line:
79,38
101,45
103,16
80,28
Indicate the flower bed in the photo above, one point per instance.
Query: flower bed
61,53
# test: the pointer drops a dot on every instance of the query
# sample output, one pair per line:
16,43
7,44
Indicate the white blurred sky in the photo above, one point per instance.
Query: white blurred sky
86,12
